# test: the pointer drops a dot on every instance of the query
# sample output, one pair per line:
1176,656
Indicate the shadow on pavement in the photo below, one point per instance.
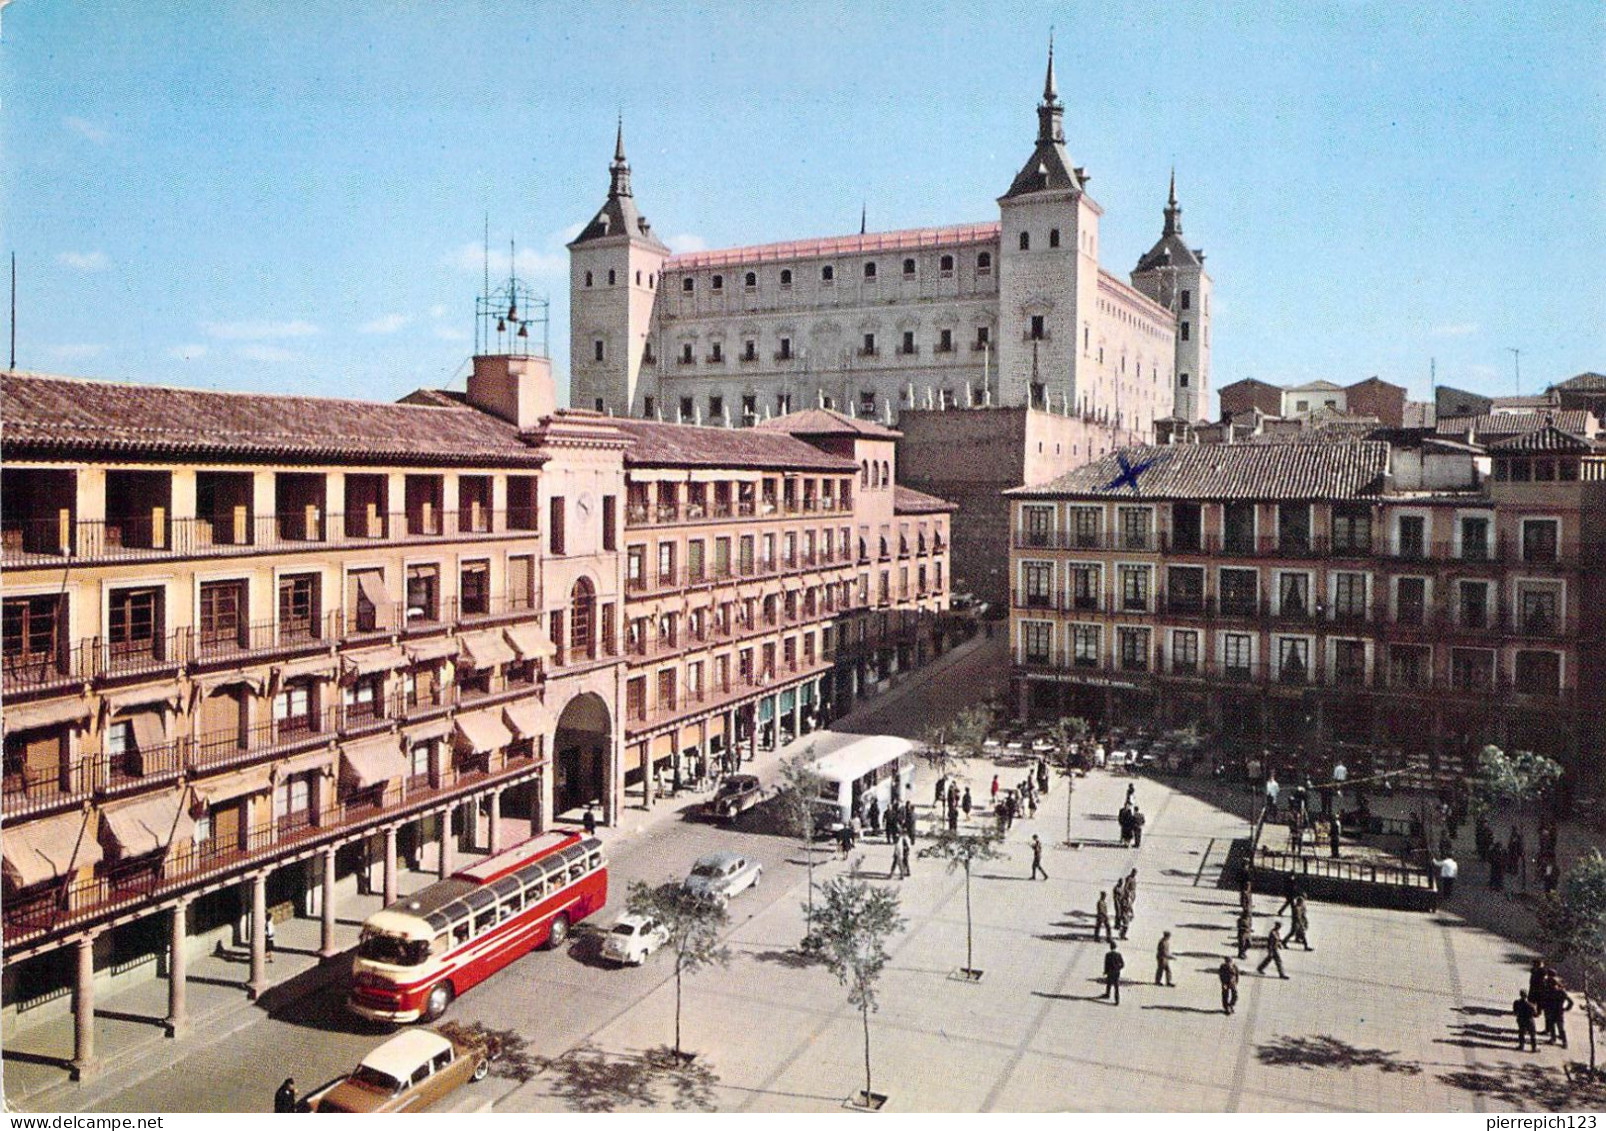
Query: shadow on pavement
1532,1085
587,1079
1181,1009
1330,1052
791,959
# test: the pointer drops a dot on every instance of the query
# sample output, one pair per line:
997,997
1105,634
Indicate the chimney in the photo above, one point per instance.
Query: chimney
520,390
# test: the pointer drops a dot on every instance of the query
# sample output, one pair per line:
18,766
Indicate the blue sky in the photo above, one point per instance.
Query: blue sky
292,197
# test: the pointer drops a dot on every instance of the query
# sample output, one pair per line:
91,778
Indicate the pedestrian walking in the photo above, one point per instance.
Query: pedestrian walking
965,803
1124,819
270,935
1101,919
1037,859
1246,934
908,824
896,867
1301,924
953,819
1448,870
1516,862
1291,892
1483,838
995,790
1031,804
874,815
284,1100
1549,874
1524,1010
1272,790
894,820
844,840
941,790
1334,829
1137,827
1113,964
1228,973
1132,890
1162,960
1123,913
1131,793
904,857
1246,897
1555,1003
1274,951
1042,775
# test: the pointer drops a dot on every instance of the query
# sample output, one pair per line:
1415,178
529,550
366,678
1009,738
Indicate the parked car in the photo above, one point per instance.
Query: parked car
632,939
410,1072
723,875
737,794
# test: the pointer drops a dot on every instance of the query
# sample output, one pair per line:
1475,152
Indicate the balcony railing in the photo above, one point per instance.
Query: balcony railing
43,542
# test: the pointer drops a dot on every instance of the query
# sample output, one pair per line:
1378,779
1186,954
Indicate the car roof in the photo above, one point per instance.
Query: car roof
719,859
404,1052
632,918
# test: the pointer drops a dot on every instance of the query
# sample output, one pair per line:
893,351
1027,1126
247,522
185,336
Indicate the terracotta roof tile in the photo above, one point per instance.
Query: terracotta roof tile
658,444
1546,439
827,422
906,500
1584,383
1511,423
1337,470
68,415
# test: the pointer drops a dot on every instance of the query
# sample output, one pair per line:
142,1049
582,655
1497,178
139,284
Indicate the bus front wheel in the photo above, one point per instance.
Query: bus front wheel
557,932
439,998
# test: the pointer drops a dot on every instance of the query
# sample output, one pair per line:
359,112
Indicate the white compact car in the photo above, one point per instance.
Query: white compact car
632,939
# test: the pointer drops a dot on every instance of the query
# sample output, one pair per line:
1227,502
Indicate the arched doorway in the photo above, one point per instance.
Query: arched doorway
581,747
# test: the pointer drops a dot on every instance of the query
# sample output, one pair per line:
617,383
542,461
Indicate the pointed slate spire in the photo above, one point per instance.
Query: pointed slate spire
1051,114
620,169
1173,210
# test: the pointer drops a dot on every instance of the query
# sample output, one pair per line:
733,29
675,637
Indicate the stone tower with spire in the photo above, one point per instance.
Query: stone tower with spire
1173,275
1049,269
615,265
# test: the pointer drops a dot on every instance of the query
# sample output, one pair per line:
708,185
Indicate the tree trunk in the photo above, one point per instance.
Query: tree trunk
970,961
1589,1020
677,1007
1070,788
864,1013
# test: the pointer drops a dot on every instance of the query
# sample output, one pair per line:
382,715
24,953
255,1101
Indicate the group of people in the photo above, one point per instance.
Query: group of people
947,797
1509,861
1131,819
1010,804
1545,997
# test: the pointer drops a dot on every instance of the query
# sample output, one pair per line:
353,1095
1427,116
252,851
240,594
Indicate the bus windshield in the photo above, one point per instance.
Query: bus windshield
391,950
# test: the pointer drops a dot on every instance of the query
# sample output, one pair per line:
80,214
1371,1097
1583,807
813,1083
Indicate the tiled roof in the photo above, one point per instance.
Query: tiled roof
909,239
827,422
1546,439
1254,381
1511,423
1227,471
906,500
1584,383
1315,387
688,445
72,416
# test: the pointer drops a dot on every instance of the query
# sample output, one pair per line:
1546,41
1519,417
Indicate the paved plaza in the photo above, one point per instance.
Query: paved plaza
1392,1011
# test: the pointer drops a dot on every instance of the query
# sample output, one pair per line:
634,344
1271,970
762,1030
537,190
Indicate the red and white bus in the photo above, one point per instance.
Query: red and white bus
419,953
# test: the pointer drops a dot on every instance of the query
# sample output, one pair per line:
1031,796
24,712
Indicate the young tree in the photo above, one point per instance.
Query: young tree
1069,731
693,923
968,731
961,850
797,798
935,751
1521,778
1573,923
853,923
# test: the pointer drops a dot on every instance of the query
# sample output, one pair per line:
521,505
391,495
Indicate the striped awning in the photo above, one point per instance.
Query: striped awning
370,761
229,786
529,718
36,851
148,824
437,648
50,713
487,649
529,641
484,730
378,660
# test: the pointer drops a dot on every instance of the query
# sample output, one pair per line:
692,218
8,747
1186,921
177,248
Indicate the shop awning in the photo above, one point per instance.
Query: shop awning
36,851
657,474
372,586
487,649
427,651
320,666
528,718
148,824
52,712
230,786
428,732
370,761
530,642
154,696
484,730
378,660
